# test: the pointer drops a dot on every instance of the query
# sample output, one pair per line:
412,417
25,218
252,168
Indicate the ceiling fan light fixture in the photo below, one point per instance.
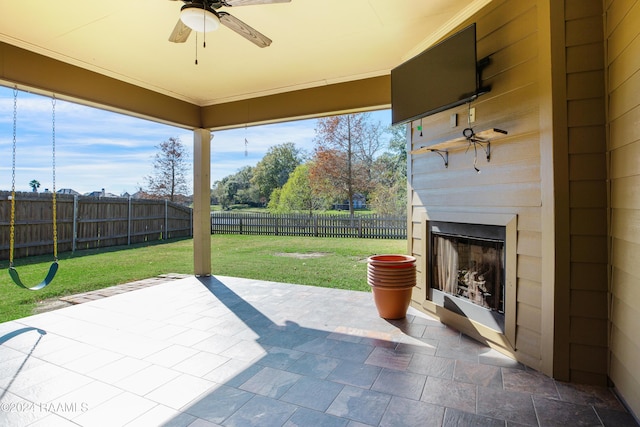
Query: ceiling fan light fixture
199,19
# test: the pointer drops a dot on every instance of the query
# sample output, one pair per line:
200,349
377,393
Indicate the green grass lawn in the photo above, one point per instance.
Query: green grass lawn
328,262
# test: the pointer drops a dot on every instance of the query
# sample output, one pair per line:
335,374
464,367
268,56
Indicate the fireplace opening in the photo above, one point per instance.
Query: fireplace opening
467,270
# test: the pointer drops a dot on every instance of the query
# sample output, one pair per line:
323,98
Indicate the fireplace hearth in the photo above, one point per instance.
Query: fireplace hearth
467,265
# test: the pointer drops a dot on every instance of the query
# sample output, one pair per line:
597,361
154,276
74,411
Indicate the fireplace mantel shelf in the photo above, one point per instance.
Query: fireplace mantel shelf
483,138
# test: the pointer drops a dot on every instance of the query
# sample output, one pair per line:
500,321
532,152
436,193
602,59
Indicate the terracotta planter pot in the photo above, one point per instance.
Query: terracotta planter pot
392,278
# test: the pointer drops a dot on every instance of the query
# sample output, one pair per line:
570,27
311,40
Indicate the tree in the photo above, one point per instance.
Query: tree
34,184
236,188
170,168
389,196
345,148
297,194
273,170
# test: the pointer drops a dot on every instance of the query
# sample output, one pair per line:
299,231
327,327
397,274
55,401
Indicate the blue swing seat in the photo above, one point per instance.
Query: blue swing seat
16,277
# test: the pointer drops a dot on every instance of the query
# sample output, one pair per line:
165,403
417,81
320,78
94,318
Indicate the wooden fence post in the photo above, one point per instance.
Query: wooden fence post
74,233
166,219
129,213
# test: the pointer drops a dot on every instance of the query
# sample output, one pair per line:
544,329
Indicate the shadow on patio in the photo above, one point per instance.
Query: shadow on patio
239,352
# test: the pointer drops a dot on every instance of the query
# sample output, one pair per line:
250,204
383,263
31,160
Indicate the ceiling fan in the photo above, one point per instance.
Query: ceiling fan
205,16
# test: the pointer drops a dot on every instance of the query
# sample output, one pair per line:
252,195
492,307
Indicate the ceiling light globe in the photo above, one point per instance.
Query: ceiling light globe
198,19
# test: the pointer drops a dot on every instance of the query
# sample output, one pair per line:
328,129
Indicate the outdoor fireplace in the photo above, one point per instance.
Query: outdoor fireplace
467,270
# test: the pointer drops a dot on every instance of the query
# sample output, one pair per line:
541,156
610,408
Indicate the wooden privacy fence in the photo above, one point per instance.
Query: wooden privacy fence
88,222
365,226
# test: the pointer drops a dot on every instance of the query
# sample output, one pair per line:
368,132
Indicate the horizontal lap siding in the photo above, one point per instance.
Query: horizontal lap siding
585,94
622,30
510,181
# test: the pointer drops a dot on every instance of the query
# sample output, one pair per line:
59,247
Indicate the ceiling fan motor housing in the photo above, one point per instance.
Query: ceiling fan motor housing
199,18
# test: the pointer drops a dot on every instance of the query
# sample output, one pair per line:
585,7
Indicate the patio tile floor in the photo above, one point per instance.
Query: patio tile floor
222,351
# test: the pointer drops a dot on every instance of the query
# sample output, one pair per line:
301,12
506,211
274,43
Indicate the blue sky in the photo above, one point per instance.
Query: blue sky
98,149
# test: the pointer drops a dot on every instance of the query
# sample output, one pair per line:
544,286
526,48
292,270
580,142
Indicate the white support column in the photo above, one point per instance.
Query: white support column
201,202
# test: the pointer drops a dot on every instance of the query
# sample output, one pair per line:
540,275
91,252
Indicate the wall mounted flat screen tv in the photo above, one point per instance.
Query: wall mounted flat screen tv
441,77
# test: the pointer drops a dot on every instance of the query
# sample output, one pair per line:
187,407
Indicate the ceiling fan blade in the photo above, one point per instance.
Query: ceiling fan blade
251,2
244,30
180,33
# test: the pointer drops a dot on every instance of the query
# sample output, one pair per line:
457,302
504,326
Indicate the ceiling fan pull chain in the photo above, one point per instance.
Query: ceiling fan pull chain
204,25
196,48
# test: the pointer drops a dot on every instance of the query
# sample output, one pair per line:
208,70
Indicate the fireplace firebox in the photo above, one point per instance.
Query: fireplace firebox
467,270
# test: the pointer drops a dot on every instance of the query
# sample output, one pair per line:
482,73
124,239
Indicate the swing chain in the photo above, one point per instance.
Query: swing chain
13,179
54,207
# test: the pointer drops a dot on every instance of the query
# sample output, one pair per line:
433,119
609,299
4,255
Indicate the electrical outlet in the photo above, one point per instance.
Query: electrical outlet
472,115
453,120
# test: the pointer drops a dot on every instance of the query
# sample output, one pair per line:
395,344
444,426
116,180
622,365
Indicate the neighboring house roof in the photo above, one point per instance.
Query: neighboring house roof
101,193
68,191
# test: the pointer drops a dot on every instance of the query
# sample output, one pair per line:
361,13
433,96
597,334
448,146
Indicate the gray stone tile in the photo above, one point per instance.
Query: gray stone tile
14,415
270,382
442,333
489,356
417,345
287,339
314,365
360,405
450,393
513,406
357,424
280,358
353,352
403,412
161,415
240,377
308,418
614,418
87,397
215,343
318,345
146,380
200,363
456,418
312,393
219,404
261,411
119,369
55,387
389,358
52,420
431,365
172,355
463,350
478,374
398,383
583,394
180,391
529,381
555,413
199,422
93,361
119,410
355,374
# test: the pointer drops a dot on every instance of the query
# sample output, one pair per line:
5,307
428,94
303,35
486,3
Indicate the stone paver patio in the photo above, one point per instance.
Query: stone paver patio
237,352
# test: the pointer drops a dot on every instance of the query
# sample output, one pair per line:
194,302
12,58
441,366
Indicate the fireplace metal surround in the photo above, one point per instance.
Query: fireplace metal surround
467,270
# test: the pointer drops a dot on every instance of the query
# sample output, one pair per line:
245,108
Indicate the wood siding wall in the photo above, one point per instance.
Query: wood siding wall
587,173
622,32
510,183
